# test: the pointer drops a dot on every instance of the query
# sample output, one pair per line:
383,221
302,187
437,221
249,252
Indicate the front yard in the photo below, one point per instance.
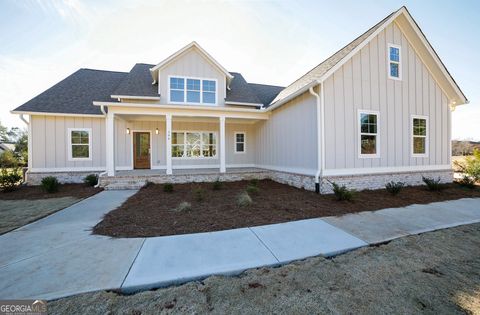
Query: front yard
192,208
30,203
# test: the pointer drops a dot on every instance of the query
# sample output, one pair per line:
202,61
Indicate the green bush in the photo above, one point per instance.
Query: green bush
199,194
244,200
394,187
467,181
342,192
8,160
471,166
432,183
50,184
183,207
217,185
168,187
252,189
91,180
9,180
254,182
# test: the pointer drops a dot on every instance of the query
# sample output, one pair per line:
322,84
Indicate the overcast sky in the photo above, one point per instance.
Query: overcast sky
271,42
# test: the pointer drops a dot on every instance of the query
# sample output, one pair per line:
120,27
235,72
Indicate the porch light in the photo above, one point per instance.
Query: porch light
128,131
156,131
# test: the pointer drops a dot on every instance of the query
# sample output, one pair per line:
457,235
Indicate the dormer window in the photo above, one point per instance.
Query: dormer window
394,62
192,91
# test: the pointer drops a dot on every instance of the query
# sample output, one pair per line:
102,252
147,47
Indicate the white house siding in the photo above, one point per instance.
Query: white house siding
247,158
288,140
192,64
362,83
50,142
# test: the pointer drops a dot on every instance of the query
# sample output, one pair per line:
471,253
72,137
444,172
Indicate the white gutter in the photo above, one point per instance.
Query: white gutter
102,108
293,95
24,120
320,137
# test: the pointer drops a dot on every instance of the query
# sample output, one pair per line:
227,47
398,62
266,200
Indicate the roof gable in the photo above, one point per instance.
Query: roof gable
137,82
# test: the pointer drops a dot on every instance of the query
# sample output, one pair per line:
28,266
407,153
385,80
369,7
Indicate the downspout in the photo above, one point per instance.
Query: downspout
29,147
320,137
102,108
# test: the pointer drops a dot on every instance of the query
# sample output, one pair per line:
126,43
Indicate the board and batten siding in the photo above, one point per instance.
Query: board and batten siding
191,64
287,141
362,83
50,142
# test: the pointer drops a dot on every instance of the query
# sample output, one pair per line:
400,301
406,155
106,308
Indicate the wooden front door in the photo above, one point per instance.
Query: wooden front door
141,150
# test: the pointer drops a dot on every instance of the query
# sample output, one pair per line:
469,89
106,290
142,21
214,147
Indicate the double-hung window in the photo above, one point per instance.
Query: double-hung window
394,62
239,142
368,142
79,144
192,90
194,144
419,136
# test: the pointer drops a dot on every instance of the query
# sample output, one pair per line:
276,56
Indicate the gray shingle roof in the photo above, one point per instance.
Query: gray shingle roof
266,93
138,82
244,92
329,63
75,93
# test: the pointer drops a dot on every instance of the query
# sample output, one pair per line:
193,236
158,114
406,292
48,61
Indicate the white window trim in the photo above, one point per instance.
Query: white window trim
427,136
69,136
244,141
359,137
201,135
185,90
399,62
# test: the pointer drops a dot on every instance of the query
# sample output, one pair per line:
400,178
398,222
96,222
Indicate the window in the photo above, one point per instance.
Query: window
368,134
193,91
193,144
394,70
80,140
419,136
239,142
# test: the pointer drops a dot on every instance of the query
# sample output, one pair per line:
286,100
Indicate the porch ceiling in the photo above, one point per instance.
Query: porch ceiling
131,117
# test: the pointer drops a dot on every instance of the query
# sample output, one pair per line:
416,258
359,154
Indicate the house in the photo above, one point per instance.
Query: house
377,110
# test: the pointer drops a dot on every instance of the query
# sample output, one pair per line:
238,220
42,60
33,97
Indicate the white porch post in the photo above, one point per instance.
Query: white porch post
222,144
169,143
110,143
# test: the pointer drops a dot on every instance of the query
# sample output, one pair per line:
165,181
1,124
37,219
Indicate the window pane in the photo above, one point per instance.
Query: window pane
80,151
240,137
209,85
419,127
193,150
368,144
394,70
240,147
177,83
178,138
419,145
176,96
368,123
193,138
394,54
193,85
209,97
177,150
193,97
209,150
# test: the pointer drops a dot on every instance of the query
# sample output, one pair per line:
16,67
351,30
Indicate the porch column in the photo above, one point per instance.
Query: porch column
110,143
222,144
168,124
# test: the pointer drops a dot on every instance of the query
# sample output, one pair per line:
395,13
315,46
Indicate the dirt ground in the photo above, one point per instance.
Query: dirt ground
150,211
79,191
432,273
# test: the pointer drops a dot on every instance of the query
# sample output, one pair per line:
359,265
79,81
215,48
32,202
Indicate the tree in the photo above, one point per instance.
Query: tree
3,133
21,147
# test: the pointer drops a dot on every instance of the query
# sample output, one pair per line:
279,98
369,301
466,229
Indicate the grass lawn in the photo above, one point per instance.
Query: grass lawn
151,212
30,203
432,273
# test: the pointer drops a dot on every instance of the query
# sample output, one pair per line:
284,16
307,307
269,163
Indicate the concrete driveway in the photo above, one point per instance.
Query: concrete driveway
58,256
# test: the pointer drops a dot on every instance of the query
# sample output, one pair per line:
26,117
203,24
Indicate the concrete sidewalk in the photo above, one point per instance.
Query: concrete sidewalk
57,256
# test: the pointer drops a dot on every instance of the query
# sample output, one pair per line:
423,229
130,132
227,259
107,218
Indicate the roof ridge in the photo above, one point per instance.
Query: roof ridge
279,86
111,71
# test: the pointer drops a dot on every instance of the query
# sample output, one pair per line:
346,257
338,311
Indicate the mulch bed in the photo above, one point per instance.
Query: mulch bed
79,191
150,211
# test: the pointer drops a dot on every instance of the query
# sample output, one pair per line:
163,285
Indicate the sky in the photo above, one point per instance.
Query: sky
270,42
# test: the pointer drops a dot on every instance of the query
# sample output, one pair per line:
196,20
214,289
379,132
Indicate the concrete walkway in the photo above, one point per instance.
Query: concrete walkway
57,256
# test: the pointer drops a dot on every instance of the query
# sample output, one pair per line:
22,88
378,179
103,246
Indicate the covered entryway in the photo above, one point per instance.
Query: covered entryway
141,150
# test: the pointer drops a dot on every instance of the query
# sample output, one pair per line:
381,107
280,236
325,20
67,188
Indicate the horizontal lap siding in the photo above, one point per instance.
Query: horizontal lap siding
362,83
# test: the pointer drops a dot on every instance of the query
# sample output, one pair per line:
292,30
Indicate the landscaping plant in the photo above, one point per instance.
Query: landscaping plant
252,189
9,180
244,200
168,187
342,192
91,180
199,193
467,181
217,185
471,166
183,207
254,182
50,184
432,183
394,187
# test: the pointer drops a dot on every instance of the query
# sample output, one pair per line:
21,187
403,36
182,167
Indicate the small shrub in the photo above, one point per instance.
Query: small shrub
467,181
254,182
8,160
168,187
50,184
244,200
394,187
183,207
471,166
432,183
9,181
91,180
199,194
217,185
252,189
342,192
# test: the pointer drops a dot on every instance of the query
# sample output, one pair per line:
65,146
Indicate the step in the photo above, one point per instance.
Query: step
125,185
